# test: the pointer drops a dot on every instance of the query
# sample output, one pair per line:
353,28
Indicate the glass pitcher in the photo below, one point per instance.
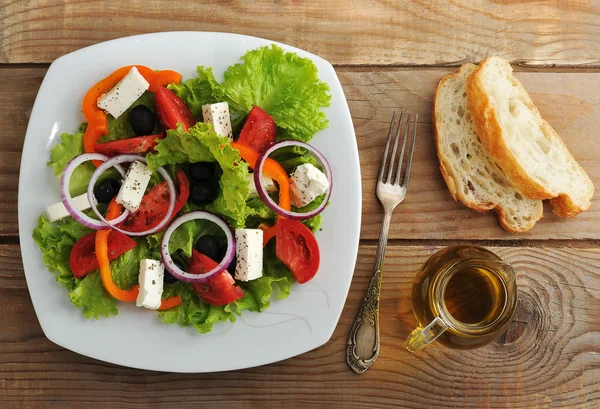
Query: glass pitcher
464,297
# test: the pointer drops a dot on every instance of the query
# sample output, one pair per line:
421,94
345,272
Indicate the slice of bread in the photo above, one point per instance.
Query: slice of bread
470,173
530,152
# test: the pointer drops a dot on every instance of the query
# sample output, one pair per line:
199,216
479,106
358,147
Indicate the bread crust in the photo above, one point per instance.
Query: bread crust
490,133
563,206
452,180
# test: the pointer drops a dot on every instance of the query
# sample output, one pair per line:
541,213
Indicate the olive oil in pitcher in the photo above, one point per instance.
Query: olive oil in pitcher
475,295
464,296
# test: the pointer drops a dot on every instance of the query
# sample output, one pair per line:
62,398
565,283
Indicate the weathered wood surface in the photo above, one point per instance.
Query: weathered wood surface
410,32
388,54
548,358
570,102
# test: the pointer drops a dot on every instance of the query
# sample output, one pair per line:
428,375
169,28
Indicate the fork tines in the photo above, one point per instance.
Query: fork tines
404,128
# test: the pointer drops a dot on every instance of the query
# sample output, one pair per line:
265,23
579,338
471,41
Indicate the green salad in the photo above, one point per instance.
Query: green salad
247,240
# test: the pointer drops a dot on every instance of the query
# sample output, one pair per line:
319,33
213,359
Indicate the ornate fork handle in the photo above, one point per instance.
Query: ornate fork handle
369,316
364,335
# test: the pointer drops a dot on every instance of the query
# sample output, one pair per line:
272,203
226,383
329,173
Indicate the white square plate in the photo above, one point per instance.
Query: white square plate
136,337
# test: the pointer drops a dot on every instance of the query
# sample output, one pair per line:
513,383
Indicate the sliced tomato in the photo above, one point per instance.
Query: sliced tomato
217,290
259,130
155,204
140,144
297,248
171,110
83,255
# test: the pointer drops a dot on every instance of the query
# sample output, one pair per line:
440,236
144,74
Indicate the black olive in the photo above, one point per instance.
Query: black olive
203,193
169,278
209,246
142,119
231,267
222,252
202,171
106,190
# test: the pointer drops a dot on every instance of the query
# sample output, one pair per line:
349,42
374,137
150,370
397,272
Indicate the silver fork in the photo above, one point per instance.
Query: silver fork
363,341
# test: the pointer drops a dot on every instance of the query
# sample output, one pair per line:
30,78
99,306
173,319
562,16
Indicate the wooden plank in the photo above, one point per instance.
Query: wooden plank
549,357
16,100
570,102
408,32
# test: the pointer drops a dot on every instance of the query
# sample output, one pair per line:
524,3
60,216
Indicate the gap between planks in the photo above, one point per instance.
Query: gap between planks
517,66
546,243
540,243
9,240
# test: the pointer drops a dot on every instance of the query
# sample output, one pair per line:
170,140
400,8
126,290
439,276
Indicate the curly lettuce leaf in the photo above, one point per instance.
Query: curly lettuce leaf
56,240
275,274
314,223
126,268
193,311
290,157
258,212
89,295
71,145
201,144
283,84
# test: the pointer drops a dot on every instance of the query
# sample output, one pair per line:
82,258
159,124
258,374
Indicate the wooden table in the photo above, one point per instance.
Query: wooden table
387,54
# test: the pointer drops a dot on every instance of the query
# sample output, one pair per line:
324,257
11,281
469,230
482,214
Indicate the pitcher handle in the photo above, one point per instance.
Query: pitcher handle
422,337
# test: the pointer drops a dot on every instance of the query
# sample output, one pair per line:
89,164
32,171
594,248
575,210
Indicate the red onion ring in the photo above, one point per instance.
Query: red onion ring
115,161
67,200
183,275
270,202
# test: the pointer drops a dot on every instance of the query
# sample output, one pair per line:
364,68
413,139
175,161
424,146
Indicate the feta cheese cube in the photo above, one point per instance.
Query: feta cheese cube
124,94
249,254
58,210
134,186
218,116
267,182
306,184
151,284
